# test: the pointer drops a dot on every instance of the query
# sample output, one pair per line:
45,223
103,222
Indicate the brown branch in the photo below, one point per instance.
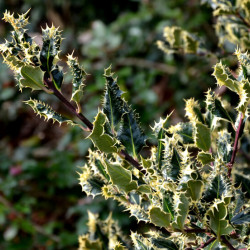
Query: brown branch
60,96
227,243
235,147
203,245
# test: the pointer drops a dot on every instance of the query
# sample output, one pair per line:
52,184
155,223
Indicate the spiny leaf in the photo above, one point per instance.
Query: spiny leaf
205,158
244,95
121,177
17,23
159,217
167,204
51,47
202,136
193,112
78,78
91,184
216,108
224,148
184,132
112,103
217,188
159,130
130,133
44,110
217,219
172,162
181,209
225,78
32,77
241,218
102,141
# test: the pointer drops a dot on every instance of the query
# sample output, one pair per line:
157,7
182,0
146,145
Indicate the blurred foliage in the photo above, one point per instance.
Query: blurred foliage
41,203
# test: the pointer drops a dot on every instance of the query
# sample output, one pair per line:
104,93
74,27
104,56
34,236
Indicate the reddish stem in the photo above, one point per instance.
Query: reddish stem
235,148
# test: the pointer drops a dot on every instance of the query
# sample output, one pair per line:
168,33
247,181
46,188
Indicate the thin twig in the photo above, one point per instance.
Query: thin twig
203,245
235,147
85,120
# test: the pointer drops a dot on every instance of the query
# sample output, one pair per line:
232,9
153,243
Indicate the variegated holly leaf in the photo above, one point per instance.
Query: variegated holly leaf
215,107
159,130
32,77
241,218
225,78
130,133
217,188
217,219
44,110
224,147
121,177
51,47
91,183
205,158
181,207
78,78
193,111
104,142
202,136
159,217
112,102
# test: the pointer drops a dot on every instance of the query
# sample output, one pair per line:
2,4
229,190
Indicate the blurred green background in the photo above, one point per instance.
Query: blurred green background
41,203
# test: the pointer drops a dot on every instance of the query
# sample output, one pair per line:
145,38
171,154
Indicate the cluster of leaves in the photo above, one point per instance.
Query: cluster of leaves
232,29
184,186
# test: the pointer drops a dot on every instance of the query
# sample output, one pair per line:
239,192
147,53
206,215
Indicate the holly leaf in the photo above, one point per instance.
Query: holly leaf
121,177
159,217
112,103
101,140
130,134
202,136
217,219
32,77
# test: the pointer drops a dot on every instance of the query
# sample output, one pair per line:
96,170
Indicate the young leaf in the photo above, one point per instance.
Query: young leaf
78,78
202,136
130,133
121,177
57,76
112,103
51,47
44,110
102,141
32,77
217,219
159,218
